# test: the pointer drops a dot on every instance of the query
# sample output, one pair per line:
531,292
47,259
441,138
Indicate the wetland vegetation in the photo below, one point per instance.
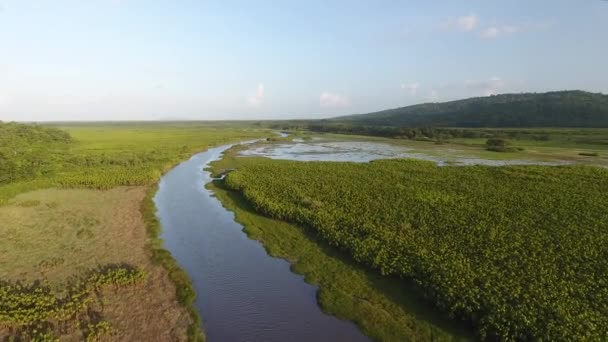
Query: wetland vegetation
518,252
404,248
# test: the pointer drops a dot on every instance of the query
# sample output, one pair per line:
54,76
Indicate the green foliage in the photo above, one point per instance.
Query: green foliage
94,331
100,157
24,305
518,251
552,109
26,150
499,145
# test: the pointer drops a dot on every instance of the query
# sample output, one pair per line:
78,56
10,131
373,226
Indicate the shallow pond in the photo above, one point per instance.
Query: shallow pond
358,151
243,294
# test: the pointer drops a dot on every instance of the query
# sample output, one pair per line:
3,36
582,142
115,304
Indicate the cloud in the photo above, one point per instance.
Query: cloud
433,95
493,86
411,87
495,31
258,98
328,99
465,23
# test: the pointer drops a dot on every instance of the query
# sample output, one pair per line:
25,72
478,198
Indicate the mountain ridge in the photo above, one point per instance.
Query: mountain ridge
570,108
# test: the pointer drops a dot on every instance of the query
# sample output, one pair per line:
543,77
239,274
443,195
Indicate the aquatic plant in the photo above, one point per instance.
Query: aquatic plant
518,251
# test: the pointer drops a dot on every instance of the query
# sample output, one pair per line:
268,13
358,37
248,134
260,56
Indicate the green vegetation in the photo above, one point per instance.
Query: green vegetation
499,145
521,259
95,331
27,152
100,156
384,308
552,109
35,307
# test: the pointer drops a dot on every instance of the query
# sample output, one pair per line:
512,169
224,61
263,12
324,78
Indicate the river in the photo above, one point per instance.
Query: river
243,294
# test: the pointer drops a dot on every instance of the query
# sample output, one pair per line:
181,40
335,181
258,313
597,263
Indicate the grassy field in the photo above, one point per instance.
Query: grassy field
516,251
80,256
104,156
56,236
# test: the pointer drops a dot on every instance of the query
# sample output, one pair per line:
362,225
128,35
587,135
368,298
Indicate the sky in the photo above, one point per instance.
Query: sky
222,60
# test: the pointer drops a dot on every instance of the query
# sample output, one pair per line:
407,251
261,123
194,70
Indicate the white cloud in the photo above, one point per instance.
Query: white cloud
493,86
328,99
258,98
433,95
466,23
411,87
495,31
490,32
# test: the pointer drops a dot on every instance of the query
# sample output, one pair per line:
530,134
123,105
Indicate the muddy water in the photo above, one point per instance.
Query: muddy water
242,293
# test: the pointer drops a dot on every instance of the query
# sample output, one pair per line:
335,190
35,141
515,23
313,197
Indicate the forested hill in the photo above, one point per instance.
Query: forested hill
552,109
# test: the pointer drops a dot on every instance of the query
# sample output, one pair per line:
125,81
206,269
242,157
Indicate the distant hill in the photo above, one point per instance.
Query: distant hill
552,109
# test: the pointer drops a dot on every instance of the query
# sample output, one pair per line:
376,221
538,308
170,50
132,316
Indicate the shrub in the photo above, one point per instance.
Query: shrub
499,145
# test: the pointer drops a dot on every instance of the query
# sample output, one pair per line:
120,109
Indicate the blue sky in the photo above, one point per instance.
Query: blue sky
173,59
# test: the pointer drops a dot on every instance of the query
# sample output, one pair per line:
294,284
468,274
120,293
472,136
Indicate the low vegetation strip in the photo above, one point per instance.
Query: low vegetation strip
520,252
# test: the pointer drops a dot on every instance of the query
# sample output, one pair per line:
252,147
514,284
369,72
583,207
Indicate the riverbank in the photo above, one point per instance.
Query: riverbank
242,292
382,307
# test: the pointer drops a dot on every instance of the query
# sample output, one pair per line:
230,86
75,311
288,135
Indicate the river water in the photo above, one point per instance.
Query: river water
243,294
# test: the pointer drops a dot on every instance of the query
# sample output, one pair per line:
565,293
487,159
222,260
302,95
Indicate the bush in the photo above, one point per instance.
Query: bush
499,145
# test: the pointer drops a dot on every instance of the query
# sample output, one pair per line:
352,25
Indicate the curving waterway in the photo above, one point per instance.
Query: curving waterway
243,294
